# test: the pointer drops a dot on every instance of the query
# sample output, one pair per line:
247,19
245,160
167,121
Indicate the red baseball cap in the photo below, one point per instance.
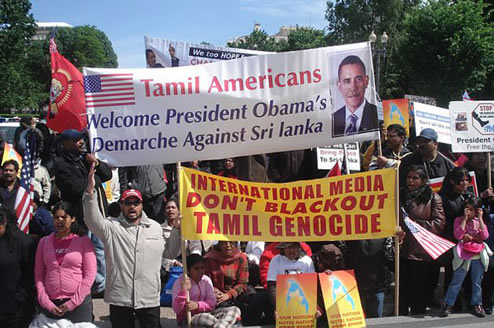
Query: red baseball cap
131,193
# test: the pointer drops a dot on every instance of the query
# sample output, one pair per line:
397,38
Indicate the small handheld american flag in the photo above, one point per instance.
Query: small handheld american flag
24,198
434,245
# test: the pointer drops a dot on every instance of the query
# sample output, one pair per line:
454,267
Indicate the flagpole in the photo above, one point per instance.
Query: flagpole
397,245
489,170
183,249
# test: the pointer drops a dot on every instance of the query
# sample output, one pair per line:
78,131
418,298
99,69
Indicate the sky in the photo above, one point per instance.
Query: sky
126,22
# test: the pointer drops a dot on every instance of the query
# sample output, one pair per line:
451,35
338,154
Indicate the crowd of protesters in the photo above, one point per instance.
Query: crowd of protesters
99,230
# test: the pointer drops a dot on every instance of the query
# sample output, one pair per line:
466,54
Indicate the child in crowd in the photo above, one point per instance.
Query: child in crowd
202,298
471,254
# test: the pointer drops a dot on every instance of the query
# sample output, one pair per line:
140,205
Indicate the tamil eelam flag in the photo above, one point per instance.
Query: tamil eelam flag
10,153
24,198
67,107
434,245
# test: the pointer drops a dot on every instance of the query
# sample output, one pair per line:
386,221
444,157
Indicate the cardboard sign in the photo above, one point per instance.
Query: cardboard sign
341,299
296,300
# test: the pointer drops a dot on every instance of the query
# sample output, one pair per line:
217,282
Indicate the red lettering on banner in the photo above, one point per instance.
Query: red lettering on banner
193,199
289,226
275,228
271,207
255,226
229,202
284,209
146,86
255,192
375,223
370,202
250,202
214,224
348,203
336,187
319,225
232,188
329,205
381,198
199,216
378,183
246,225
202,182
211,201
335,222
231,224
348,224
303,224
316,207
361,224
300,208
222,185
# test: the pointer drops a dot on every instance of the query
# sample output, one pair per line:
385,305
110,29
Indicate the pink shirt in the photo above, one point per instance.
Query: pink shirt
201,292
466,250
72,278
62,246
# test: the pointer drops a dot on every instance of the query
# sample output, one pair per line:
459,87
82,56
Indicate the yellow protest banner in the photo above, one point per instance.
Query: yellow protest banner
296,300
395,111
341,299
350,207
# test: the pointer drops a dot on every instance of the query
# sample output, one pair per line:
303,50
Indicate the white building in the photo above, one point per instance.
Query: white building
44,29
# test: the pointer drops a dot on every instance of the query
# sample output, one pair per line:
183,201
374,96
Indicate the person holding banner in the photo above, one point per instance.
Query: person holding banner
291,260
477,162
134,245
358,115
202,299
394,151
425,208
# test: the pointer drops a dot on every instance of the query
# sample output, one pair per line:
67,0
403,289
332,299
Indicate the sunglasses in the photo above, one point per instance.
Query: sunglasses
129,202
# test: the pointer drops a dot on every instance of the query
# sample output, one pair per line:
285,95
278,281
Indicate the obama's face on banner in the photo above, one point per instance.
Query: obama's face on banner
352,82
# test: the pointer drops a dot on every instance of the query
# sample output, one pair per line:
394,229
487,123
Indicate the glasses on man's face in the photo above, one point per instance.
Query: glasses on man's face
129,202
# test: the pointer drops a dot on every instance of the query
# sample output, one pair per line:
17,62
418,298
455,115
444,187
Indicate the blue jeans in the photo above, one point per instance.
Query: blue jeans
373,304
99,248
476,275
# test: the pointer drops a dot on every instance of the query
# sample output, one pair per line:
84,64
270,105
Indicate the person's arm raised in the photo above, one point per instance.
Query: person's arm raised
92,215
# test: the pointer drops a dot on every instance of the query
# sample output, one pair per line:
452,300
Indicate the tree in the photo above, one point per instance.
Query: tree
86,46
298,39
447,47
17,89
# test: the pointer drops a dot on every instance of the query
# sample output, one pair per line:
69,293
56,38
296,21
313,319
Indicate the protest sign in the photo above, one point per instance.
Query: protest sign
296,300
352,156
437,183
437,118
341,299
349,207
252,105
170,53
395,111
472,126
328,156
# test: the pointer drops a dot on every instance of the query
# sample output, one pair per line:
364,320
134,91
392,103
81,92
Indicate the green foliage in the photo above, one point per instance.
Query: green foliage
298,39
447,47
86,46
17,27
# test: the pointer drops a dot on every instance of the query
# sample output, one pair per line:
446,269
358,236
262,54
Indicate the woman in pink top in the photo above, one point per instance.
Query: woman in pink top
471,254
65,269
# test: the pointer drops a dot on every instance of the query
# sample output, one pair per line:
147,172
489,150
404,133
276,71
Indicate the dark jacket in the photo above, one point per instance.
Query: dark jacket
453,205
426,209
40,141
287,166
16,273
368,122
71,177
7,198
148,179
252,168
439,167
367,258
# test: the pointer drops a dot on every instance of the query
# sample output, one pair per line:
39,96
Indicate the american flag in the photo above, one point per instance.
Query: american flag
109,90
24,198
434,245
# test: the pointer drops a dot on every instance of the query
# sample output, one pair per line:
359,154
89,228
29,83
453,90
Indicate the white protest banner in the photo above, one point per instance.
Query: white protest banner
168,53
352,156
472,126
437,118
328,156
252,105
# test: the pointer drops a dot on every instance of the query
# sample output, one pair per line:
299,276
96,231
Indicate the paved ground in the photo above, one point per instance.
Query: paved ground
430,320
